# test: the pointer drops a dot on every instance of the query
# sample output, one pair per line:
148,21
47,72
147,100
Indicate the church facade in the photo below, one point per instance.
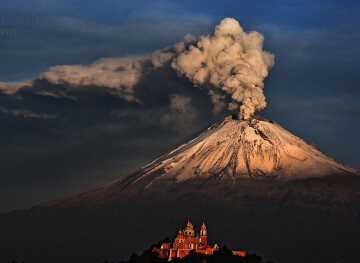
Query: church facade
185,241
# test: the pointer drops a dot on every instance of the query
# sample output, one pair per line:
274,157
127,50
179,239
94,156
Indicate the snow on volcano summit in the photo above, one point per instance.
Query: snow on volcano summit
233,149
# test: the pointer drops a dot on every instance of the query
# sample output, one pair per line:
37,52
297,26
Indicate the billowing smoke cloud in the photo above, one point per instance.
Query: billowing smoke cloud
12,87
230,60
119,75
230,63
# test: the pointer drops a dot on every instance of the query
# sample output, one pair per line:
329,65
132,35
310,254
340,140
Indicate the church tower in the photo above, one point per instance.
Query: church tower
203,234
189,229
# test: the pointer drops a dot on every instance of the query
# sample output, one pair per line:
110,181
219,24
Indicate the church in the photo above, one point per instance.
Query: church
185,241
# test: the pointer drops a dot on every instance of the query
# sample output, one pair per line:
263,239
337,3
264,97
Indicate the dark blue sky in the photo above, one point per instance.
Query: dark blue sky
57,140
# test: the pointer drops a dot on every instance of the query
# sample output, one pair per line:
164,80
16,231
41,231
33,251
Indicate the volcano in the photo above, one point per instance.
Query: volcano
232,149
259,188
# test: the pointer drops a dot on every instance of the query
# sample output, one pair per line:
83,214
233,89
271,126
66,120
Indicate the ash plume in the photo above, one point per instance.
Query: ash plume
232,61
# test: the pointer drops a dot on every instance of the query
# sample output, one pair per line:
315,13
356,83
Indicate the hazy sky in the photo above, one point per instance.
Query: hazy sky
67,132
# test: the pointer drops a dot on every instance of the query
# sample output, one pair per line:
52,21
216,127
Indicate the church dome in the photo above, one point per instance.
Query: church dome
189,226
203,226
189,229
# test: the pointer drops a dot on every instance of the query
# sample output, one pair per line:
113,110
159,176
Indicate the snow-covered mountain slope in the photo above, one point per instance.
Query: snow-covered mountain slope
233,149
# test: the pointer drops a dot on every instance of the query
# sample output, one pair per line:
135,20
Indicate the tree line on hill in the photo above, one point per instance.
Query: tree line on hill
223,255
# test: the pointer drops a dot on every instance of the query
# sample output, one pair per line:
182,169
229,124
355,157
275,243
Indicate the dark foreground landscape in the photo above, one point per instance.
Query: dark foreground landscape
314,220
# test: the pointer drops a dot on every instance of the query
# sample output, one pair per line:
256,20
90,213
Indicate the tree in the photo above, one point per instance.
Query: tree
223,255
134,258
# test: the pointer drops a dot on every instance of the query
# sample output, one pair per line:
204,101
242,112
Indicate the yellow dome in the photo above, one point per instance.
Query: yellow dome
203,226
189,225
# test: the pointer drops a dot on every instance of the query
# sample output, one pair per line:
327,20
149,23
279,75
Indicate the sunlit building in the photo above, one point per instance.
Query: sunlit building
186,240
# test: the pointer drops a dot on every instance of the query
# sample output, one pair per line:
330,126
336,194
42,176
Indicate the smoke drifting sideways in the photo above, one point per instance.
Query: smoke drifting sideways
229,63
230,60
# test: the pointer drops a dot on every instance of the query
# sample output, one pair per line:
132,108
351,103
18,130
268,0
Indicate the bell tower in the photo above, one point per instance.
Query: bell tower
203,231
189,229
203,234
